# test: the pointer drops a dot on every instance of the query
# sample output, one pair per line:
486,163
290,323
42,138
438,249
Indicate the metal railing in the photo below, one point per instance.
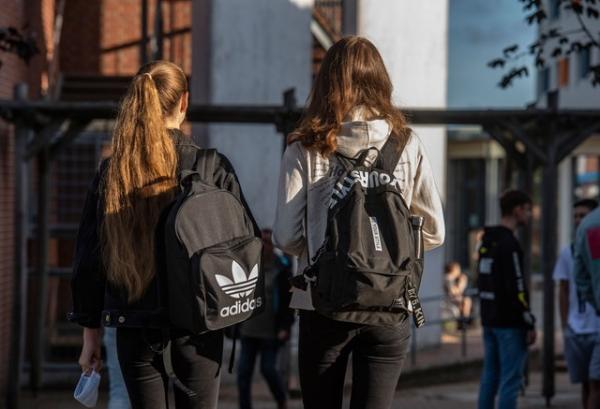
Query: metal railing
459,319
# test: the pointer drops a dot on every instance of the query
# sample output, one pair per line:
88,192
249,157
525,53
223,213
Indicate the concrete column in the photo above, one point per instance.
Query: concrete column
249,52
412,38
349,17
565,202
492,191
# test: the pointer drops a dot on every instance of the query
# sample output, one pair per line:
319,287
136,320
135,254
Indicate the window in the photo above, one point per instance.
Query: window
562,71
555,9
584,62
543,81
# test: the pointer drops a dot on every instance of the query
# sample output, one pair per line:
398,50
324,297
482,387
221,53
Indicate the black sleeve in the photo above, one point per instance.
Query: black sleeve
88,281
511,259
225,178
284,314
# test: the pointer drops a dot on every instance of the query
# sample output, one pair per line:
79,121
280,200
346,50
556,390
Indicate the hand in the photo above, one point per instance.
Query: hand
283,335
91,357
531,337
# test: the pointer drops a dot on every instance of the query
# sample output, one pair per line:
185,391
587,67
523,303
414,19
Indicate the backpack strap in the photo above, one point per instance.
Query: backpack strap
391,152
236,335
206,160
203,167
349,163
345,161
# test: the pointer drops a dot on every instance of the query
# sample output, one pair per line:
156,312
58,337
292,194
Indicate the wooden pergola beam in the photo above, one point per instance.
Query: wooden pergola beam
571,140
36,110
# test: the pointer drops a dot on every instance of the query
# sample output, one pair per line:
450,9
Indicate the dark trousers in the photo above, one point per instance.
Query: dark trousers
377,357
268,350
196,361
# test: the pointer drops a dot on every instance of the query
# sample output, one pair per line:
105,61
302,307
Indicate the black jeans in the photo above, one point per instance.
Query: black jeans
377,357
196,361
268,350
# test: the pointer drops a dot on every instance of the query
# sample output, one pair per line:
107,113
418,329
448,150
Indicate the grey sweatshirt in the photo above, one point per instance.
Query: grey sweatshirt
306,184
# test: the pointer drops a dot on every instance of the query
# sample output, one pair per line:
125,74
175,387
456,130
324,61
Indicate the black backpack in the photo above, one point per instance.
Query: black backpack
212,257
369,268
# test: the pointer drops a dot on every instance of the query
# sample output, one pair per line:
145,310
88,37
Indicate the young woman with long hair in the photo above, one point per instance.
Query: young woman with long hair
118,264
349,110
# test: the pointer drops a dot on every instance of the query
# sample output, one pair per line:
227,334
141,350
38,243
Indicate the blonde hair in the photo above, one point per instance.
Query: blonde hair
352,74
141,176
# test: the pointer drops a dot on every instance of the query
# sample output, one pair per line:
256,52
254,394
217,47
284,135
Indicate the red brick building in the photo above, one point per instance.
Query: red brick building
17,14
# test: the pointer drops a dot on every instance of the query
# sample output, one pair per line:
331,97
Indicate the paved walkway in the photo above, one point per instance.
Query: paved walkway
448,396
444,365
449,386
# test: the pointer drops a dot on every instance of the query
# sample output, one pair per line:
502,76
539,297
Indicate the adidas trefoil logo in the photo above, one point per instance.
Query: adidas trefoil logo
241,286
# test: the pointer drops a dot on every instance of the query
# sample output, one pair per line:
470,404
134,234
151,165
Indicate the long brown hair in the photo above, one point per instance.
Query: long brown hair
141,175
352,74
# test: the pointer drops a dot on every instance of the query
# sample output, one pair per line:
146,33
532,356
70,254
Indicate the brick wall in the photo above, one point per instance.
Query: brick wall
103,36
39,15
80,40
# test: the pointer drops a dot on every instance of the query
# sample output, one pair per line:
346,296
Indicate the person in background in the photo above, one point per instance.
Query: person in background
265,334
586,270
579,321
508,324
455,284
118,398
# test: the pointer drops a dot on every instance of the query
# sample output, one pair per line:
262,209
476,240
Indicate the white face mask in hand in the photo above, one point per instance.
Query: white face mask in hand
86,391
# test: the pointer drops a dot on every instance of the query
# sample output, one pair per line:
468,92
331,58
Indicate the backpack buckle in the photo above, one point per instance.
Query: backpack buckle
302,281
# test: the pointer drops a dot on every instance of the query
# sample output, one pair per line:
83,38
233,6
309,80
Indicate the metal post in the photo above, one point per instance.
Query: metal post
526,184
413,345
289,103
157,45
349,17
17,346
548,256
38,347
526,239
286,123
463,335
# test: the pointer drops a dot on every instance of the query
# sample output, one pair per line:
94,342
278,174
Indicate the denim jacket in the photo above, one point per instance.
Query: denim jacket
91,292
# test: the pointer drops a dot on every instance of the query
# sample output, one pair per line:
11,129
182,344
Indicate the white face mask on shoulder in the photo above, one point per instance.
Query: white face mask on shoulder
86,391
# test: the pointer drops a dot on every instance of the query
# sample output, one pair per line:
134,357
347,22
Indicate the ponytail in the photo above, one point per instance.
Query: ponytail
140,178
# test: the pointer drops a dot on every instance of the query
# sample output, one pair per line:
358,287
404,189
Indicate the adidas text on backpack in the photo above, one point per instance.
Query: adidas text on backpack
213,258
369,268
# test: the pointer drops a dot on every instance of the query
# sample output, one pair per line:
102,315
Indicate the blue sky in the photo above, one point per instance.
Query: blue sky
478,31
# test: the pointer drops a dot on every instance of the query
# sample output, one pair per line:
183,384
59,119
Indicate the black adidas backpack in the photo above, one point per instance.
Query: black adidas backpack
213,258
369,268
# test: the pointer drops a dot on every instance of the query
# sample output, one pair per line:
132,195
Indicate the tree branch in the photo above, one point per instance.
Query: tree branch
586,30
